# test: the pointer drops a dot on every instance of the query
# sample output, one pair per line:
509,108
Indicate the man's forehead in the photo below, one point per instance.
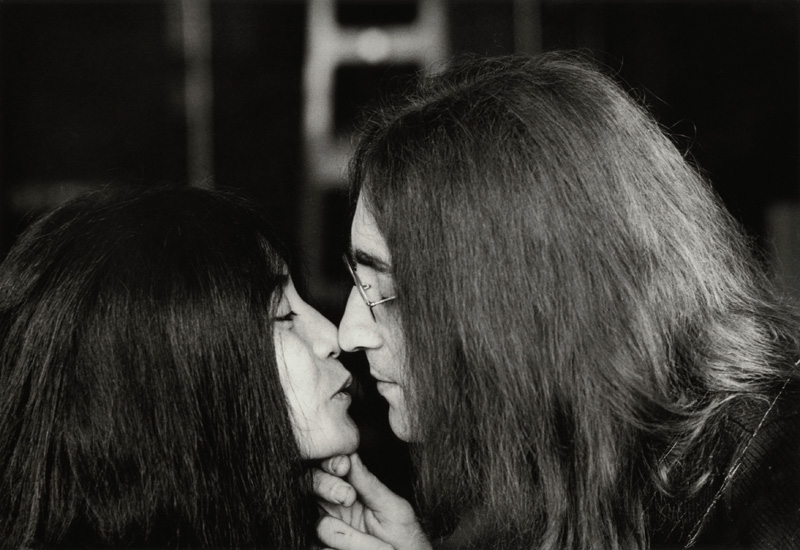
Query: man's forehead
367,245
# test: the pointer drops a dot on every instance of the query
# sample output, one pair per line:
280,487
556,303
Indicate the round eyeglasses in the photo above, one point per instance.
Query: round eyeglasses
362,288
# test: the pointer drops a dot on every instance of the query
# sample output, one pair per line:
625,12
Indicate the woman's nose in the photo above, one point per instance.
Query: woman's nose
358,329
325,341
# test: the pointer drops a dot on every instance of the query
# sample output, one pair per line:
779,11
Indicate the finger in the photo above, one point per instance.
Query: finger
337,534
329,508
332,489
337,465
371,490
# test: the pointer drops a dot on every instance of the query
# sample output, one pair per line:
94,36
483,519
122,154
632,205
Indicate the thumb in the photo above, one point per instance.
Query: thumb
387,516
337,465
371,490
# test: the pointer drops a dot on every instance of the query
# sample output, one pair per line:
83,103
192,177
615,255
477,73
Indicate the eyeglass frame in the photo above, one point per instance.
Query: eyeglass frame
362,288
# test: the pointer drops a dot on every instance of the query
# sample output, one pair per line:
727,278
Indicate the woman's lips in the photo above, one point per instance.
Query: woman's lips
342,392
342,396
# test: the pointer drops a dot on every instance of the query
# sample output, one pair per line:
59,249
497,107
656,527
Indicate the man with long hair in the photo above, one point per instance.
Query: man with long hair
568,326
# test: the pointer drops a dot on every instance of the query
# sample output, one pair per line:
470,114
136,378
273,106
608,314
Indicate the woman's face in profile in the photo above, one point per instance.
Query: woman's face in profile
313,380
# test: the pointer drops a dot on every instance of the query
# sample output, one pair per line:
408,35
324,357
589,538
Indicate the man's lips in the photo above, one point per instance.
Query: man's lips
380,379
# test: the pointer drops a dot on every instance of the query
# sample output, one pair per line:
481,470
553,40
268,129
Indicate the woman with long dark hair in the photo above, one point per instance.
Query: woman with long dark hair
576,338
163,383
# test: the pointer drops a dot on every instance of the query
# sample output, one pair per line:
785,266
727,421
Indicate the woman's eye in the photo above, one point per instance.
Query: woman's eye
289,317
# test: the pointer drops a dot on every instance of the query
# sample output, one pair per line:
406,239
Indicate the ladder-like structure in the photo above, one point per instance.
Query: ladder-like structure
331,46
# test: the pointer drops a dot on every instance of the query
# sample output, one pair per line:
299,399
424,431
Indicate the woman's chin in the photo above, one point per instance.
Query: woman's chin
343,441
351,437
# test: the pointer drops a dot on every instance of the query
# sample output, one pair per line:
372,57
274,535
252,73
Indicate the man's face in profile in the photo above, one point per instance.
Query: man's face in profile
376,330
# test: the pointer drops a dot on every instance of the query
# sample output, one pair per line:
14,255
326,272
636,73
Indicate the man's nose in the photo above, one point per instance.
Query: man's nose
358,329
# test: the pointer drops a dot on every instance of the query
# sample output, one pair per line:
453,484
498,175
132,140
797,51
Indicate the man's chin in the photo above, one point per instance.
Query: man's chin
400,425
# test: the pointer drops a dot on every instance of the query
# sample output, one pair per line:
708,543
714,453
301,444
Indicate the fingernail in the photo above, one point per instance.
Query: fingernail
338,465
346,496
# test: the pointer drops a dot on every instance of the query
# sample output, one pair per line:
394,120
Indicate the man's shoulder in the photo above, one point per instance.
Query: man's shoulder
758,505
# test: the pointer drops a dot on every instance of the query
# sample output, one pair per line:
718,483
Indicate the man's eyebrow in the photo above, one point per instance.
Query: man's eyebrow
370,260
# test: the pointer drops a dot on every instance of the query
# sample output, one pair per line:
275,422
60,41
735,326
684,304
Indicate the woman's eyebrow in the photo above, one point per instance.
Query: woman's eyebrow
370,260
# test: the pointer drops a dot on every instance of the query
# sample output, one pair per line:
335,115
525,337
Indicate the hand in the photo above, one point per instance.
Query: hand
336,497
376,519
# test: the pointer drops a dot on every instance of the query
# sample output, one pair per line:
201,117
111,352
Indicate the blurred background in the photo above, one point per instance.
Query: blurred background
262,96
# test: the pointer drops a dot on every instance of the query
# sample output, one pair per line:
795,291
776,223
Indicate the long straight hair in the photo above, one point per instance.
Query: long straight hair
579,309
141,402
